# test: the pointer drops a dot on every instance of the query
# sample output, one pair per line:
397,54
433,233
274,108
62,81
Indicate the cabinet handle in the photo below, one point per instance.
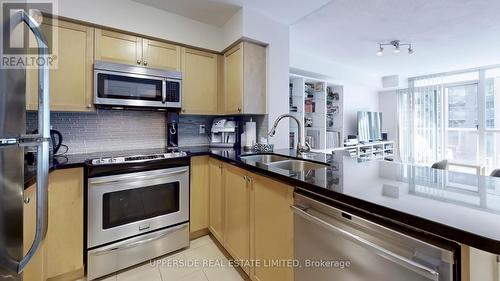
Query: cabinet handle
138,62
239,109
183,110
89,105
145,63
26,200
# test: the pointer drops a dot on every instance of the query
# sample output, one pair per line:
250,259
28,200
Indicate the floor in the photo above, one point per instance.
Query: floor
202,261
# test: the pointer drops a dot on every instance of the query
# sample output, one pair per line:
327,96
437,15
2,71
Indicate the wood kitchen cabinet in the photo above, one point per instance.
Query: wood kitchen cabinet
61,255
71,78
216,200
200,82
237,214
271,227
129,49
199,195
64,241
34,271
161,55
245,79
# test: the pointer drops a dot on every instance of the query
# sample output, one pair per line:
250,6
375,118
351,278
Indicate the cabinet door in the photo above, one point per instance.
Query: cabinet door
199,81
199,193
271,228
35,269
161,55
254,79
216,204
64,240
237,214
71,78
117,47
233,80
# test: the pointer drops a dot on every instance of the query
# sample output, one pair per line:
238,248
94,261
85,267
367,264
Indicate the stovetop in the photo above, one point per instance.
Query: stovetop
137,158
113,164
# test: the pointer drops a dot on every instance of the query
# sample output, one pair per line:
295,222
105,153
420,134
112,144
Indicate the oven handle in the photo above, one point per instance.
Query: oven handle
121,178
127,245
379,250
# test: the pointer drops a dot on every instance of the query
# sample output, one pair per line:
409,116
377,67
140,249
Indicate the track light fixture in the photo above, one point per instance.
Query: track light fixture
397,47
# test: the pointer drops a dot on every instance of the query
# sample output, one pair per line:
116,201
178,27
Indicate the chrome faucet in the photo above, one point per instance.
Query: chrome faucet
300,147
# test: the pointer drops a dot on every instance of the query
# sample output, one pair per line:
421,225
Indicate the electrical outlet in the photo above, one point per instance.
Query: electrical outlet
202,129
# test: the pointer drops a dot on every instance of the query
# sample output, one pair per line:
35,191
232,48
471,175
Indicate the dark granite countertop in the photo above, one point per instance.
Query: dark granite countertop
455,206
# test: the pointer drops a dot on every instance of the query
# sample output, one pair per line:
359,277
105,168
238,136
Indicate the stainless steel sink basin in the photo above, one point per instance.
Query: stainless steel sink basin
265,158
297,165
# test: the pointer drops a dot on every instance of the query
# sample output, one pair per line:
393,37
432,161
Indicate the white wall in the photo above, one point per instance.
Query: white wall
261,28
360,89
388,105
142,19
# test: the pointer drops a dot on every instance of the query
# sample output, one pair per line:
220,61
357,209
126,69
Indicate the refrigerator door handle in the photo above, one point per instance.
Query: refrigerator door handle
42,144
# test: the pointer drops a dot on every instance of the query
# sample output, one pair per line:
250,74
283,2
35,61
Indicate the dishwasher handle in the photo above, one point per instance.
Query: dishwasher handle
381,251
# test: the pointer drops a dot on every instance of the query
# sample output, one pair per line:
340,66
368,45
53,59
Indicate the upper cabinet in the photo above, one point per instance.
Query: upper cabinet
161,55
117,47
129,49
71,79
245,79
199,81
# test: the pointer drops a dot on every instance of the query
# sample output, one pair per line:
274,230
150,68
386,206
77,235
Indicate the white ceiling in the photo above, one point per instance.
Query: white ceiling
446,34
218,12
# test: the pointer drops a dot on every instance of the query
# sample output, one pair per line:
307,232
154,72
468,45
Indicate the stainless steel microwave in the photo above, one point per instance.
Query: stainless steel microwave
121,85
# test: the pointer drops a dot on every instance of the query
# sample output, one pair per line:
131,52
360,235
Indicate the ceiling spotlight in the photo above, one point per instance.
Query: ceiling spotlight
380,51
397,47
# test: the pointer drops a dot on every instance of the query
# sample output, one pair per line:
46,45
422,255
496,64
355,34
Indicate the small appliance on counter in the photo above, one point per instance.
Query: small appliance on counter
223,133
55,143
172,127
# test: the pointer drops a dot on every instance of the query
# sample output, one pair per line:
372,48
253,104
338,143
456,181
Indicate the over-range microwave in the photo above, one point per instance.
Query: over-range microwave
120,85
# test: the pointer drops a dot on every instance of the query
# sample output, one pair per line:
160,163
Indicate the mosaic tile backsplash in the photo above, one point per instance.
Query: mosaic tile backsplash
112,130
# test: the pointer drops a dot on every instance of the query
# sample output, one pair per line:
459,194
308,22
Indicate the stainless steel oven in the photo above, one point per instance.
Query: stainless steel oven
121,85
135,216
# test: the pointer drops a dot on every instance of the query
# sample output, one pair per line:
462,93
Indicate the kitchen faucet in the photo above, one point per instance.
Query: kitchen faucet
300,148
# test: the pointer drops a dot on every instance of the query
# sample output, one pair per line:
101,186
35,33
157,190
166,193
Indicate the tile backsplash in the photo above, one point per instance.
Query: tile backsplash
112,130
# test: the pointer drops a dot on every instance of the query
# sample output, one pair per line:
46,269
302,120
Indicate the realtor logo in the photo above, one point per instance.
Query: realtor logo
19,46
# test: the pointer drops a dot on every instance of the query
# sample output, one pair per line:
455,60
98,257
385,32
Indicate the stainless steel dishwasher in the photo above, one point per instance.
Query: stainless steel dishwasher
334,245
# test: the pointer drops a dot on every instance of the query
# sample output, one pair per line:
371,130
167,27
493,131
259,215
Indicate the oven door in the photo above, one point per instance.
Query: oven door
128,89
125,205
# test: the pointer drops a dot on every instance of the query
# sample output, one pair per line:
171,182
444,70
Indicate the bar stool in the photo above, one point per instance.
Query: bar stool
441,165
495,173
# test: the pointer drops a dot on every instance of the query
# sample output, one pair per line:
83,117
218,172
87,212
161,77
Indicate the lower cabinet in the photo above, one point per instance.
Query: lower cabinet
250,216
199,194
237,214
61,256
479,265
35,269
216,200
271,229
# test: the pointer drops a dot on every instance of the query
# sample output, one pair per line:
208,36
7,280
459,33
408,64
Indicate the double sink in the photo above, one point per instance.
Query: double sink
284,162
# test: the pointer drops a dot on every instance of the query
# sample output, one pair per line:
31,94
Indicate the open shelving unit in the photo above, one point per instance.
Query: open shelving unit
372,150
318,105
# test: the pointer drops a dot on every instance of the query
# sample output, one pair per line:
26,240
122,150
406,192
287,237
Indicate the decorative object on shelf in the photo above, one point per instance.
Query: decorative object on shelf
309,106
308,121
397,47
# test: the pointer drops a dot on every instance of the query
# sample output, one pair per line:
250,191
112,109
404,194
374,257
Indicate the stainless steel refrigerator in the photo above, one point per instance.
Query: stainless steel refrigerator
13,141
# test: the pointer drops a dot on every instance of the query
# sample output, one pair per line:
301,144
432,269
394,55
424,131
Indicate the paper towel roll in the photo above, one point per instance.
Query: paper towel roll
250,133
